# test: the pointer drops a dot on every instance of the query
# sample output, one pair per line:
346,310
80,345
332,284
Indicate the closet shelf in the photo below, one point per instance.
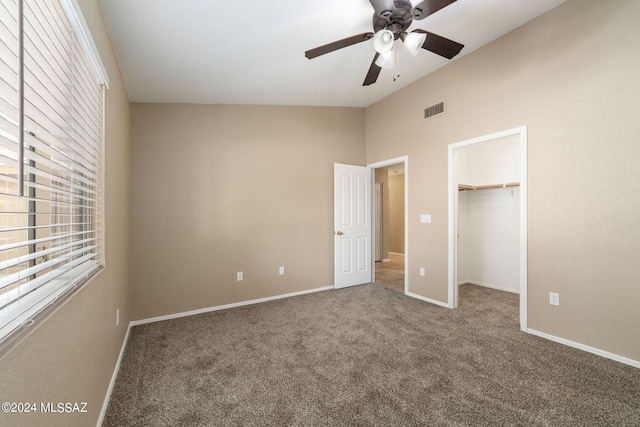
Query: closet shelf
464,187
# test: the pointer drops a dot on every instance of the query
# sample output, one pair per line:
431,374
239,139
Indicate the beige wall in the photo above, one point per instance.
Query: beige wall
396,213
571,76
221,189
71,356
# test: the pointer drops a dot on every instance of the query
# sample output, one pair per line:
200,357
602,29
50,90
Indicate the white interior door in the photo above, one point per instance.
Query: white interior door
352,225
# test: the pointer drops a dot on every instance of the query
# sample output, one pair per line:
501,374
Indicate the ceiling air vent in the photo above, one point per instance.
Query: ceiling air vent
434,110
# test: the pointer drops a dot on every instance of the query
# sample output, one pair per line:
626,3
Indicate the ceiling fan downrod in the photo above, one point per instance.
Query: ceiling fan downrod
397,21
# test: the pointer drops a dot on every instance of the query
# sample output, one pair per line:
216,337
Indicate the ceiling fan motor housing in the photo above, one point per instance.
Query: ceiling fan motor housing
398,21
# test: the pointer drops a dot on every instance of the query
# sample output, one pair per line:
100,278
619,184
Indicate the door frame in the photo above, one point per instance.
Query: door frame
377,216
520,132
389,162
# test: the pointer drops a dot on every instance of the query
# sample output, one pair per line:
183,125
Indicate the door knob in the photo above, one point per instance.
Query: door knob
339,233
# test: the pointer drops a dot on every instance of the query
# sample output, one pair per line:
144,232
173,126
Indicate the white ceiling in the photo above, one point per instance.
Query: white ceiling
252,52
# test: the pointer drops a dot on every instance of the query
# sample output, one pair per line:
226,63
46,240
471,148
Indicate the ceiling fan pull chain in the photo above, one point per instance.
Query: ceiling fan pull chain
397,76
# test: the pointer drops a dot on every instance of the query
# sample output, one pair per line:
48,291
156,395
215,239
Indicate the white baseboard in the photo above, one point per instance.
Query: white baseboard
597,351
488,285
429,300
226,306
113,378
396,253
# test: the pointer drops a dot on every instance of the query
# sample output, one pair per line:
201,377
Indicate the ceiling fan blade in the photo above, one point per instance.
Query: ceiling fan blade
440,45
339,44
383,8
374,72
429,7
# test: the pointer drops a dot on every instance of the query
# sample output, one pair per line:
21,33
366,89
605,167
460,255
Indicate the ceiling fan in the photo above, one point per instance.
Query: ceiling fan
391,20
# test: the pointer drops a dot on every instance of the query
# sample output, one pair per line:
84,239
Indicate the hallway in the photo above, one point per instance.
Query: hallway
390,274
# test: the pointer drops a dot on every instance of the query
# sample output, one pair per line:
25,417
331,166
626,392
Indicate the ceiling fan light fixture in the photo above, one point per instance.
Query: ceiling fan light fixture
383,41
386,60
414,41
391,21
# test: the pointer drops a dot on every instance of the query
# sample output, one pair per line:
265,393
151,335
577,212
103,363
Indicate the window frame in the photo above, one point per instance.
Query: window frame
58,289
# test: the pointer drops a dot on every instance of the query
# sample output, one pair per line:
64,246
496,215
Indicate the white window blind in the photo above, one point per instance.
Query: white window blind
51,159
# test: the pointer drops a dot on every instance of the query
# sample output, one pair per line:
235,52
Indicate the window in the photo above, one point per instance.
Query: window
51,159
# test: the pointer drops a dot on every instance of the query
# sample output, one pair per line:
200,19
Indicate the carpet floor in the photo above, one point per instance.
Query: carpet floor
365,356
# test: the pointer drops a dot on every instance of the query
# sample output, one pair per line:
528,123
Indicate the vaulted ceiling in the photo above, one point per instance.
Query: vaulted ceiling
221,52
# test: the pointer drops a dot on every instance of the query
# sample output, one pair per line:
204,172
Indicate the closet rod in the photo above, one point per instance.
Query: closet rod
464,187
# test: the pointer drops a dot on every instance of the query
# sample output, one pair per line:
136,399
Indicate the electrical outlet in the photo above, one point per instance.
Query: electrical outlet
554,298
239,276
117,317
422,271
281,271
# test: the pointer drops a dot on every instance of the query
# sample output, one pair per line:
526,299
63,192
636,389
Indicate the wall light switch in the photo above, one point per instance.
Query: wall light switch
422,271
239,277
281,271
425,218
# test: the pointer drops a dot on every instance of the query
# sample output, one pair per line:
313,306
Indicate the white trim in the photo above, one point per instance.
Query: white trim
396,253
74,15
593,350
453,215
488,285
429,300
405,160
226,306
116,369
389,162
524,225
452,267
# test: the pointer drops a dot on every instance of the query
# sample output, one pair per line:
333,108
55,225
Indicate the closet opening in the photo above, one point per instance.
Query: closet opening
487,215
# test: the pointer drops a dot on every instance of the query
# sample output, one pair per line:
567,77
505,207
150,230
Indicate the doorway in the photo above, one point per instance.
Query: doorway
390,219
519,136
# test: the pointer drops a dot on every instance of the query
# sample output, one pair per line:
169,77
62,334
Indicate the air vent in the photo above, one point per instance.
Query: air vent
434,110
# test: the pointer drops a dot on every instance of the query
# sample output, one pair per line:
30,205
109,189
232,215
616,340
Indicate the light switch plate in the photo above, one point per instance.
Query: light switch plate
425,218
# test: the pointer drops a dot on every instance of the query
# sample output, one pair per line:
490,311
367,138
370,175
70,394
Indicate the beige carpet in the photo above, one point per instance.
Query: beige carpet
366,356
